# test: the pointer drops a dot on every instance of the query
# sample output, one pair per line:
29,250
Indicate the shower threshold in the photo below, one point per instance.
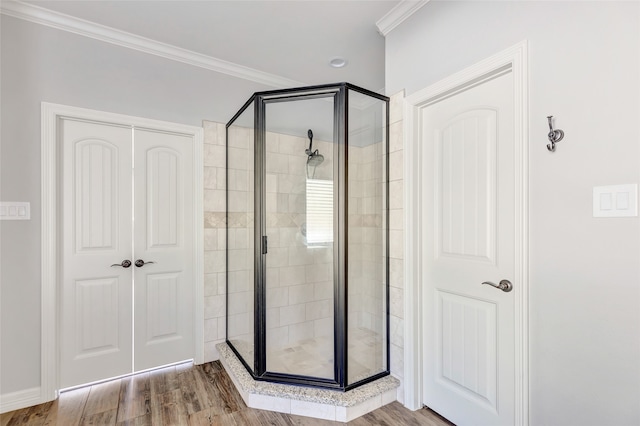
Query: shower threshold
306,401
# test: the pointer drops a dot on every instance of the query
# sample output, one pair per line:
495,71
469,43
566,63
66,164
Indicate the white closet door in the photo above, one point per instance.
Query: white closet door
469,217
95,297
163,234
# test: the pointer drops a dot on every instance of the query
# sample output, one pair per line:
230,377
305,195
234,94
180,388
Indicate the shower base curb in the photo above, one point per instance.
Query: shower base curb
305,401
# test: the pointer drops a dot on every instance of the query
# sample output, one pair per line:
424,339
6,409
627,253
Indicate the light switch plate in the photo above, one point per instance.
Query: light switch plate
615,200
15,210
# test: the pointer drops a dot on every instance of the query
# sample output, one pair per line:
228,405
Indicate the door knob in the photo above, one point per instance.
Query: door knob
505,285
125,263
141,262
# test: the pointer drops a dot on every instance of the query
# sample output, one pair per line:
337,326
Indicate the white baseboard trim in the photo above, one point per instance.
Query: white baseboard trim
20,399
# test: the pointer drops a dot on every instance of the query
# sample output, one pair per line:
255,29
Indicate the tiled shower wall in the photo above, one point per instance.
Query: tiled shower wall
299,278
214,237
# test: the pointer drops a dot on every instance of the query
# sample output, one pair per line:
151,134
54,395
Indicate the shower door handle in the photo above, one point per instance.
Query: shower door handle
264,244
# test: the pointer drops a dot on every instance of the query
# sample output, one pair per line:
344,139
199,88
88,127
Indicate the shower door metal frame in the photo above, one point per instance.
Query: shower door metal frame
340,94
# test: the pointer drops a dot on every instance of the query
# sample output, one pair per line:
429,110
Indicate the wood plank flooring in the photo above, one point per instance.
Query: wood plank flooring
184,395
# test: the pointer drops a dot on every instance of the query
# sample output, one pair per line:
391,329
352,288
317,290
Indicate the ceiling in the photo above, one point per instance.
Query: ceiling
292,39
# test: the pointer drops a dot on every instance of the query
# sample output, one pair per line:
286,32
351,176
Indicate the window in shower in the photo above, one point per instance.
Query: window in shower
319,223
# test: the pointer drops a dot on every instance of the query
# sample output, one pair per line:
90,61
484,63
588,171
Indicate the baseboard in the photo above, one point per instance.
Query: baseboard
20,399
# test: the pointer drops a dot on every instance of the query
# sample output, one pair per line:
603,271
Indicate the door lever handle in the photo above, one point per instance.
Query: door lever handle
125,263
141,262
505,285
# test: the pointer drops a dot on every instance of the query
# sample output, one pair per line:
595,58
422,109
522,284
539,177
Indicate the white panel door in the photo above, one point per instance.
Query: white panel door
127,196
469,210
95,297
163,222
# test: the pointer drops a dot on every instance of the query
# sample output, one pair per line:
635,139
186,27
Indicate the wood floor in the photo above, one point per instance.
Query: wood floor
183,395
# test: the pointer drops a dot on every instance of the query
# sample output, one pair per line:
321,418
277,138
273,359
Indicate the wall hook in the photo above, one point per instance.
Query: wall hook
554,136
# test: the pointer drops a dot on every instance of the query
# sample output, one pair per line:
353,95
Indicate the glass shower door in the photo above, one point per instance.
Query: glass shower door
299,212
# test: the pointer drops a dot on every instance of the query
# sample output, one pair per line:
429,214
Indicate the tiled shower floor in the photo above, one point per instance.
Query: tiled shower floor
314,357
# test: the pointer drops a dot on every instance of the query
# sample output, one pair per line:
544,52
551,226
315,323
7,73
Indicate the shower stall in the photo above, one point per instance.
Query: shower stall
307,236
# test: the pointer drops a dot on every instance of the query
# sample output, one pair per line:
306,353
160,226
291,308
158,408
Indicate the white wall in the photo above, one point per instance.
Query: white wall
584,272
43,64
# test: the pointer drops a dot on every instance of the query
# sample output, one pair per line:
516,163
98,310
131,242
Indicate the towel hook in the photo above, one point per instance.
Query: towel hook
554,136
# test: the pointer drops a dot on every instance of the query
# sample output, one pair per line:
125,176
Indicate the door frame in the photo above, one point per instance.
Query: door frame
513,59
51,243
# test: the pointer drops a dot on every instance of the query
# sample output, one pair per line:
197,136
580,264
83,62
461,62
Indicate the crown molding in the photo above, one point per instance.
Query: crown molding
398,14
61,21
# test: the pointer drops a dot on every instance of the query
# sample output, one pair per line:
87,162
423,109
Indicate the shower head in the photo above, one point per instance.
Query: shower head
309,151
315,159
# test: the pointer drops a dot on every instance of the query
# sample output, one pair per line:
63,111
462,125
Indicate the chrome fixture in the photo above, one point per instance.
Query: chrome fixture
125,263
504,285
554,136
314,158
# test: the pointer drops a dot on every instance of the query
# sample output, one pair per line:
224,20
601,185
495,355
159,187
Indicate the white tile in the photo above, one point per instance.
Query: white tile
319,309
240,303
396,196
313,409
299,332
299,293
210,239
346,414
396,219
221,178
238,137
277,338
238,201
396,330
272,182
277,163
317,273
396,273
293,146
323,290
396,303
239,159
214,155
211,329
214,261
389,396
214,306
222,328
272,142
270,403
210,177
397,360
395,165
277,297
214,200
292,314
210,351
210,284
396,106
396,244
273,317
291,276
297,165
395,136
222,283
